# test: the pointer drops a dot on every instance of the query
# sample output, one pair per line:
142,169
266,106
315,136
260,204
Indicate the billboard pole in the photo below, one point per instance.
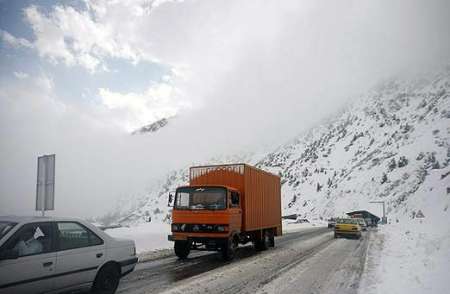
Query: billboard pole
384,218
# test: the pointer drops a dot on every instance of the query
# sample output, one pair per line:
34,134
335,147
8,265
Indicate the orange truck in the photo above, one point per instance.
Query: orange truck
224,206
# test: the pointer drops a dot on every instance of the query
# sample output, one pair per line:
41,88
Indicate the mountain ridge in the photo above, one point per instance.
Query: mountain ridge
382,147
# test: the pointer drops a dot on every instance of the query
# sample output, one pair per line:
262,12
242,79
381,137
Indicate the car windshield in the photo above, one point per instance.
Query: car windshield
347,221
200,198
5,227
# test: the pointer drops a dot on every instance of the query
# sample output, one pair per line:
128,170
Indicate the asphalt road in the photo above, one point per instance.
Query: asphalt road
310,261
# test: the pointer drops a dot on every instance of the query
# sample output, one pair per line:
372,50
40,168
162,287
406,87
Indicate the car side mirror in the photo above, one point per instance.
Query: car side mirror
170,201
9,254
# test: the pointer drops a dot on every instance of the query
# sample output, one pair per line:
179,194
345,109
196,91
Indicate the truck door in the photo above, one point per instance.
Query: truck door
235,211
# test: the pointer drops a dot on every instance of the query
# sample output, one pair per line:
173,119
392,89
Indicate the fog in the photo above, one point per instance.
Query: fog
253,75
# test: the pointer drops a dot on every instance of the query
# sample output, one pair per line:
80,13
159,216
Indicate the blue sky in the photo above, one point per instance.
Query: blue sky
72,84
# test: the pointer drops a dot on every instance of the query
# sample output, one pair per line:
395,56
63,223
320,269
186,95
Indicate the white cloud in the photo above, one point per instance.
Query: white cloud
20,75
86,38
50,40
133,110
13,41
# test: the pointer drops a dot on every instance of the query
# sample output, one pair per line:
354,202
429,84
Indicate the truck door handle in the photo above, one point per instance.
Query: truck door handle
99,255
47,264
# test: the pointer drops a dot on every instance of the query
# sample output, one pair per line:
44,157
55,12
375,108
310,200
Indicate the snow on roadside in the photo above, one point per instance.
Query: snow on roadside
290,226
407,259
148,236
413,255
153,236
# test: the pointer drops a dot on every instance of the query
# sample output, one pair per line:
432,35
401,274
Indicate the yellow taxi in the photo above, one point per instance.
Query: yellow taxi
347,227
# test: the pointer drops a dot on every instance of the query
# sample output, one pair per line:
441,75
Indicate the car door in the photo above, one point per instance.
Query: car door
80,253
32,270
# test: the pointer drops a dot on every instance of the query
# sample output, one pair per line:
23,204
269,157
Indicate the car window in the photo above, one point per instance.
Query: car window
5,227
31,239
73,235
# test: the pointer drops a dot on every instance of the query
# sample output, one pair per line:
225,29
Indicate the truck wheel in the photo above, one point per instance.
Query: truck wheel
229,250
182,249
271,239
262,244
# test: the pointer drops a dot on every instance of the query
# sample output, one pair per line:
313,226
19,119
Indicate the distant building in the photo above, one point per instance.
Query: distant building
371,219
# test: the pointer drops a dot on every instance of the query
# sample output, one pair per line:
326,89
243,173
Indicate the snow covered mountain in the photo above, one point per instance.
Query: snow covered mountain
393,144
384,147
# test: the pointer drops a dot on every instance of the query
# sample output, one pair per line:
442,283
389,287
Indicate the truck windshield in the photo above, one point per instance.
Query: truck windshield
200,198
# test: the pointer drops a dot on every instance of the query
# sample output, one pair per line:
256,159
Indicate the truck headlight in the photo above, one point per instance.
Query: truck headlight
175,227
221,228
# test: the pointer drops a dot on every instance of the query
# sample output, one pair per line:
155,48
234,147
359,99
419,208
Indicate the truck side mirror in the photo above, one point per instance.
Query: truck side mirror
170,202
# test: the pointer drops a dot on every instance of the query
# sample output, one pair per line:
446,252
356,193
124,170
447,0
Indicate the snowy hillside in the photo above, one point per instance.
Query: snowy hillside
131,211
384,147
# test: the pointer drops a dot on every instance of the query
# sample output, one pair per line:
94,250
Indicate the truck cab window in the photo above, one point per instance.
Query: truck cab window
182,200
234,199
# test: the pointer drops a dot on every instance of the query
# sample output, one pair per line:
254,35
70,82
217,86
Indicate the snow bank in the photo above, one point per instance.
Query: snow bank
408,259
148,236
293,226
153,236
412,255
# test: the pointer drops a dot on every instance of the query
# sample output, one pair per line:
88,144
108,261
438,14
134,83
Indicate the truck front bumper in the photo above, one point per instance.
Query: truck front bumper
178,236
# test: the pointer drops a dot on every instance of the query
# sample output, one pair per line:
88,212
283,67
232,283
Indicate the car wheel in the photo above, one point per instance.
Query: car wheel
182,249
107,280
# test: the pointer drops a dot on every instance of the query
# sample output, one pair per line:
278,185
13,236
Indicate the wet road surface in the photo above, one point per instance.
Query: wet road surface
324,263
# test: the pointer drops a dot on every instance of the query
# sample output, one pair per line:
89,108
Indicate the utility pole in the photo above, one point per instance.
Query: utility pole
384,218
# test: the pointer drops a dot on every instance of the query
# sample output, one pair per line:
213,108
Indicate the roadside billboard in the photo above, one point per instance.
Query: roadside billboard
45,186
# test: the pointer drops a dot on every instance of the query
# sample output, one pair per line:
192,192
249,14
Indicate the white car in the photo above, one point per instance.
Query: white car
53,255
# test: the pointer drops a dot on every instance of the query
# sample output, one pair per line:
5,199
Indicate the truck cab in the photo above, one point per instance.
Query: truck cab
204,218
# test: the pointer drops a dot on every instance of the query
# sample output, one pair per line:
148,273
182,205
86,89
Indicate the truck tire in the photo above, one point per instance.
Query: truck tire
262,244
271,239
182,249
229,249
